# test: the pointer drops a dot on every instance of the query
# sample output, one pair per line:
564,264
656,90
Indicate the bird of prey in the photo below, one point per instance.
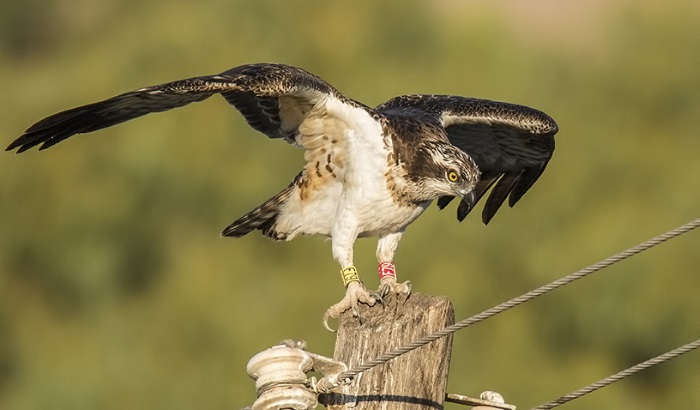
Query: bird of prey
369,171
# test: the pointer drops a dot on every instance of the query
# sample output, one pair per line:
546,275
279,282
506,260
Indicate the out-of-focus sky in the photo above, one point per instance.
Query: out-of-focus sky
116,290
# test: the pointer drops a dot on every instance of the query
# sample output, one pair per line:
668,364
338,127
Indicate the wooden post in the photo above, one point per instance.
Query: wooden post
416,380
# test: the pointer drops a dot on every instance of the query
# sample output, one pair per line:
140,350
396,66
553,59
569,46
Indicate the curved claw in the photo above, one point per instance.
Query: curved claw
327,316
355,294
389,285
378,297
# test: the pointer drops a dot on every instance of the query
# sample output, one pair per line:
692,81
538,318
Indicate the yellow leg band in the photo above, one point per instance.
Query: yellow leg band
349,274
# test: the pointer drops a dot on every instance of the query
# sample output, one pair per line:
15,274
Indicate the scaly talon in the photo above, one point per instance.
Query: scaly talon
390,285
355,294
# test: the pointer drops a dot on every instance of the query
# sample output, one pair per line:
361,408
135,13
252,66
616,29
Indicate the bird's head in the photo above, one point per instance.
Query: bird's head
441,169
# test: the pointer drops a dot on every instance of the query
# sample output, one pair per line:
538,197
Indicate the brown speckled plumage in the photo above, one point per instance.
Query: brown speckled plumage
369,171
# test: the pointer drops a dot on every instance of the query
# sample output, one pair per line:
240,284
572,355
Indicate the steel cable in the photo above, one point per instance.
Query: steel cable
619,376
351,373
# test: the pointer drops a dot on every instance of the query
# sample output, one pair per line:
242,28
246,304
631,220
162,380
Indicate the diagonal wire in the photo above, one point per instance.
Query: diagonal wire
349,374
619,376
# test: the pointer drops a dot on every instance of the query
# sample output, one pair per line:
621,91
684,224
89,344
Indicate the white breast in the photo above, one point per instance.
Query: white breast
348,194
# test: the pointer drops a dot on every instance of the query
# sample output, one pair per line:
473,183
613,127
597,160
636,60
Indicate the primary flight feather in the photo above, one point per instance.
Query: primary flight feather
369,171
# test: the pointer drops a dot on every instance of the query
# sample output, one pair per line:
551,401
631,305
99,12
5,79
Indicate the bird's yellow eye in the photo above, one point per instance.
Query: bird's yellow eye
453,176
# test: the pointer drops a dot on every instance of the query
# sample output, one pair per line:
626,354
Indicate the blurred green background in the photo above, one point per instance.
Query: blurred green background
116,291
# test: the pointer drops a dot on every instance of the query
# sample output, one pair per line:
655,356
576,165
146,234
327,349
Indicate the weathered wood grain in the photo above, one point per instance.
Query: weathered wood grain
416,380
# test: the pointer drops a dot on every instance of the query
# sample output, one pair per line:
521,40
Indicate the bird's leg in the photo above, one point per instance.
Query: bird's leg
355,292
387,271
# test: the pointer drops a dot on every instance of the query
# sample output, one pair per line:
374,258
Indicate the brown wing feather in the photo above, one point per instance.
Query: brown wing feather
92,117
510,143
254,89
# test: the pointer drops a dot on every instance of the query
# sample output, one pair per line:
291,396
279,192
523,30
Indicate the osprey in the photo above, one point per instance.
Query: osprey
369,171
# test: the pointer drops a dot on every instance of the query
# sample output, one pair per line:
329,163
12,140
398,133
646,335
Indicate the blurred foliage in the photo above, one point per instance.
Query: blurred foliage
117,293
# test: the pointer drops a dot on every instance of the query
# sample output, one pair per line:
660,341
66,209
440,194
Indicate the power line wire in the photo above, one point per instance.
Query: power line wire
349,374
619,376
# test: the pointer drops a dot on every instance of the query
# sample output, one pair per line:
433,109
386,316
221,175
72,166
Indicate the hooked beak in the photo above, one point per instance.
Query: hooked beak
468,198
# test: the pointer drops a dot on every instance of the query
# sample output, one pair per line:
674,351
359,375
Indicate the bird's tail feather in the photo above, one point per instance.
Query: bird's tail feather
263,218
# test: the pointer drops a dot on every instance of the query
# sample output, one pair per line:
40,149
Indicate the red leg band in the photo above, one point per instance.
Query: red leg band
386,269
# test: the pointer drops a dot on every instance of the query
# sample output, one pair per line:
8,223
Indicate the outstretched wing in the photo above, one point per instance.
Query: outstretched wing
273,98
510,143
278,100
